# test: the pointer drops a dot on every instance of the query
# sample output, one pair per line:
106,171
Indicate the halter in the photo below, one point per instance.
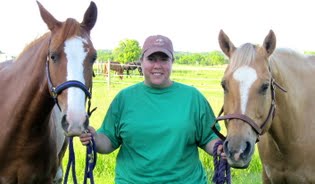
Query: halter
248,120
55,91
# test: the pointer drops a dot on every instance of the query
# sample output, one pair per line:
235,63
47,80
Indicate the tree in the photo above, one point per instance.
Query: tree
127,50
216,58
104,55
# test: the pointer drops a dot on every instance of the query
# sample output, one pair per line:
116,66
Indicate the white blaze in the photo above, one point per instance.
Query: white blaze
246,76
74,50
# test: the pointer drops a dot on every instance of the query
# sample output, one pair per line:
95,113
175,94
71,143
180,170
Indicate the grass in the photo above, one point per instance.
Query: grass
206,79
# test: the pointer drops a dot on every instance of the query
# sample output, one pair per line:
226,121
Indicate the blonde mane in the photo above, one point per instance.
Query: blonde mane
287,52
244,55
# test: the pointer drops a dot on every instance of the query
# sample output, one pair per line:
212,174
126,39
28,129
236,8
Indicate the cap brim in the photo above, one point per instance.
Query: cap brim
157,49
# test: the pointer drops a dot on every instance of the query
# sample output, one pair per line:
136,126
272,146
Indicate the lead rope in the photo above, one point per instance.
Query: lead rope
90,162
222,170
90,159
71,163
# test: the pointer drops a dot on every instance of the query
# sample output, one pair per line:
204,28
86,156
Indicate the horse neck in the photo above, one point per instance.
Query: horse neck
26,102
293,73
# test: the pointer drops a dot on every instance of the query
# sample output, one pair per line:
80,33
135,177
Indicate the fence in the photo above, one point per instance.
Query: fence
205,78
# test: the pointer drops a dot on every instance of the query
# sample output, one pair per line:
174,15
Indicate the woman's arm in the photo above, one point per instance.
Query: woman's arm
102,142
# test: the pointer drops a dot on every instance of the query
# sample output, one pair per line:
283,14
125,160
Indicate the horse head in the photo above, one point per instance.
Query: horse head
69,66
248,97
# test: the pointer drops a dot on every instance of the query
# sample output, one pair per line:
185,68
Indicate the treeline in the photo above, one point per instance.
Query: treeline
130,50
188,58
204,58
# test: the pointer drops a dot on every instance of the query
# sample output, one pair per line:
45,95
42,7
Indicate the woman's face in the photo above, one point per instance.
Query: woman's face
157,69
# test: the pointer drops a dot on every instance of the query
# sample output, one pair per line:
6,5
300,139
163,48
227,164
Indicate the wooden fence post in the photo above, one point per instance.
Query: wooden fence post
108,74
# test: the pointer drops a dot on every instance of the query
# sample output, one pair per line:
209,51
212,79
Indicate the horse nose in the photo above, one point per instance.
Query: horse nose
238,154
64,123
74,127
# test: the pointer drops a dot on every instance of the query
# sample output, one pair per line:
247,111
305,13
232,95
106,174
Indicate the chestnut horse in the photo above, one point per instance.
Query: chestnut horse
54,69
57,131
268,98
115,66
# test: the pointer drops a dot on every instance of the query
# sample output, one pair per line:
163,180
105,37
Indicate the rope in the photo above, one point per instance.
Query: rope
222,170
71,163
90,162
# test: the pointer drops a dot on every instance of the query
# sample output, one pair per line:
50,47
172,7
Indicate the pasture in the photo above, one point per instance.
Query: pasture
206,79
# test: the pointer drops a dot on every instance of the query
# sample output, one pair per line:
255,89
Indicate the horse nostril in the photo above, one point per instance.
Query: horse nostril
247,150
64,123
226,149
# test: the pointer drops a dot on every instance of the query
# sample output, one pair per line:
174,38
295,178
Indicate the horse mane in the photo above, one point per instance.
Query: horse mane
73,27
288,52
33,43
70,28
244,55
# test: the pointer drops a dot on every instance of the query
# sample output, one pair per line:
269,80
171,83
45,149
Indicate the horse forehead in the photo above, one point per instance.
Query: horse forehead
75,52
245,74
74,44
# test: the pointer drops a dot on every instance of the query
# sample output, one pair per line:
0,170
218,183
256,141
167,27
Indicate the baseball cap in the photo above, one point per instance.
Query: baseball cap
157,43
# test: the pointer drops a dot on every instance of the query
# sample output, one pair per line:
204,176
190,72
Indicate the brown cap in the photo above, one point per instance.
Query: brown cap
157,43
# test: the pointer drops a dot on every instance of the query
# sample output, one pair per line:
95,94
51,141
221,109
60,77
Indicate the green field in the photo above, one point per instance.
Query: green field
206,79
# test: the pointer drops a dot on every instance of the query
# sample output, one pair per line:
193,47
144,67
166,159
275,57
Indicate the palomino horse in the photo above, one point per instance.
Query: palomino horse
268,97
57,67
115,66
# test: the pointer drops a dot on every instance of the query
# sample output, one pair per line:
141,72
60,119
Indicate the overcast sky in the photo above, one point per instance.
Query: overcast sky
193,25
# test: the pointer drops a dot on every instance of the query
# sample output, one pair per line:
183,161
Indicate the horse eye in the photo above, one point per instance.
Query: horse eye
223,84
264,88
54,57
94,58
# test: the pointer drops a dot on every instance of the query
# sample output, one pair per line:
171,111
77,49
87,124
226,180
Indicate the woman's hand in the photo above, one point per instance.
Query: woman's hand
86,137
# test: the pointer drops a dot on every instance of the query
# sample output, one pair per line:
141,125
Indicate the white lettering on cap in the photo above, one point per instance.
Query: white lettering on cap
159,42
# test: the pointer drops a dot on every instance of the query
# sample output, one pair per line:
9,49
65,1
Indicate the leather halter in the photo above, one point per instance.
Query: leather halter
248,120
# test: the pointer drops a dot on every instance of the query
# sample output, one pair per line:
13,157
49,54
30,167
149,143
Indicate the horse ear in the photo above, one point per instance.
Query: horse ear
90,17
270,43
225,44
50,20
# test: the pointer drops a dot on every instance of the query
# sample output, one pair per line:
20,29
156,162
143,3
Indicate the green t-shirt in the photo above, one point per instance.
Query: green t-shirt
159,132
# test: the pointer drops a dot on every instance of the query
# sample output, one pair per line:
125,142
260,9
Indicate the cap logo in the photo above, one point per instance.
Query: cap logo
159,42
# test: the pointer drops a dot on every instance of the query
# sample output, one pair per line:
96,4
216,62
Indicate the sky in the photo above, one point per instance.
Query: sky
192,25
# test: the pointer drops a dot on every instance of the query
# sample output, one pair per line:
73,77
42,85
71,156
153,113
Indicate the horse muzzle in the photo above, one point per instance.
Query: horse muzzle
74,128
239,152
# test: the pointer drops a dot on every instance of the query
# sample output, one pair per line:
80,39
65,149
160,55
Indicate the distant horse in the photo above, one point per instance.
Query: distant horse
115,66
138,63
130,66
54,69
258,80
